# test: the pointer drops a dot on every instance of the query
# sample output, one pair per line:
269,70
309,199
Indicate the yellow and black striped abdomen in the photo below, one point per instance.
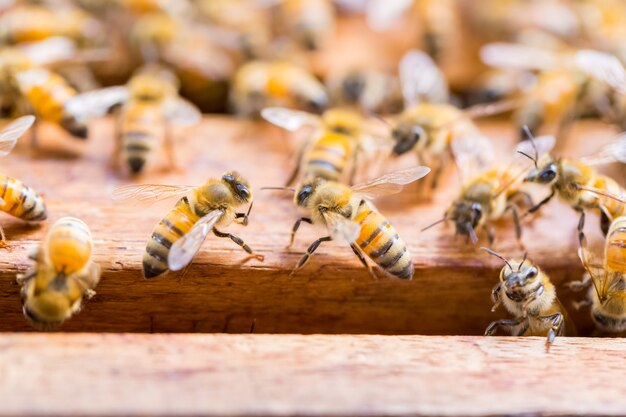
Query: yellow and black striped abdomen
329,156
379,240
21,201
142,130
174,225
69,245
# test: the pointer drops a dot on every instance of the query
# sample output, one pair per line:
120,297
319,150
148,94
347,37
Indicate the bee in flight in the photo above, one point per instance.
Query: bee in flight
530,297
63,275
16,198
577,183
349,217
177,238
608,294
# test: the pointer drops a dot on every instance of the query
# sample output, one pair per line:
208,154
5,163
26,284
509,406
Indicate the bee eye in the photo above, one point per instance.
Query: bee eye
304,193
243,191
417,132
532,272
228,178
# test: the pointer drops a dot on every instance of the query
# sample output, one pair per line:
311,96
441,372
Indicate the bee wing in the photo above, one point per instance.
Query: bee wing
595,269
185,248
421,79
382,14
96,103
342,228
288,119
391,183
602,66
518,56
150,193
472,153
489,109
50,50
12,132
180,111
614,151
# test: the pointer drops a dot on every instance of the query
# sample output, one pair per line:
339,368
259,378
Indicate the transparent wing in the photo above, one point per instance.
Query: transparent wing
537,147
288,119
182,112
614,151
342,228
96,103
185,248
382,14
595,268
12,132
518,56
150,193
391,183
421,79
472,153
489,109
604,67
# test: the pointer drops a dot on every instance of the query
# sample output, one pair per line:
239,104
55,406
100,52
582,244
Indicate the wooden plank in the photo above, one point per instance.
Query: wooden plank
246,375
333,294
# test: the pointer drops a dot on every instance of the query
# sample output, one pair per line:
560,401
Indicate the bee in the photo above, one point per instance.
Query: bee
487,195
308,22
369,90
577,183
530,297
63,275
16,198
350,217
260,84
177,238
429,125
568,84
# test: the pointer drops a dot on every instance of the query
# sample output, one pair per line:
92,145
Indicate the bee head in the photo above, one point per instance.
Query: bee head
519,274
466,216
406,137
47,309
353,85
543,173
305,191
239,186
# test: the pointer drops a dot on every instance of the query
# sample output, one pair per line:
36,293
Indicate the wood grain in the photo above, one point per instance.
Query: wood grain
333,294
262,375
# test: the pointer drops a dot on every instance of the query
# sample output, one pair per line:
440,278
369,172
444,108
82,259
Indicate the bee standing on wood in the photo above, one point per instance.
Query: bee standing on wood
527,293
350,217
64,273
369,90
16,198
177,238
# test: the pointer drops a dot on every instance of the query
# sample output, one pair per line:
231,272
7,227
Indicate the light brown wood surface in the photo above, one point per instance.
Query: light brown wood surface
450,292
274,375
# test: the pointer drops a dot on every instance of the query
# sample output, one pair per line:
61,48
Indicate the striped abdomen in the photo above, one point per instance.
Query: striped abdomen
614,208
48,97
142,130
379,240
616,247
69,245
21,201
174,225
328,156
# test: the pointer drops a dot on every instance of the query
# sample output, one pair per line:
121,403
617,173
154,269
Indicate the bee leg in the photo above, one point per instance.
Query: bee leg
311,249
239,242
295,228
581,226
359,255
605,220
296,168
244,216
3,240
577,286
516,220
541,203
491,234
495,297
555,329
22,279
506,323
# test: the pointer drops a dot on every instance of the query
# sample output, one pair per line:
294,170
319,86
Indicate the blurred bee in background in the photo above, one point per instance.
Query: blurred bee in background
260,84
349,217
568,84
488,194
177,238
371,91
578,184
528,295
63,275
309,23
608,278
16,198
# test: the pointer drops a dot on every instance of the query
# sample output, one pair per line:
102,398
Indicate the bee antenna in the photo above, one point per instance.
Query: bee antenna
534,145
472,233
379,118
523,260
497,255
434,224
293,190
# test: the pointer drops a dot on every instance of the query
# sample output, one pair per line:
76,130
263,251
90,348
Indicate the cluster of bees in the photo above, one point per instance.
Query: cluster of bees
54,53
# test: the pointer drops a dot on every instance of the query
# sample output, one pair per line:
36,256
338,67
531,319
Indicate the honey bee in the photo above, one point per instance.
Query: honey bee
528,295
308,22
568,84
260,84
177,238
350,217
487,195
369,90
16,198
578,184
608,293
63,275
